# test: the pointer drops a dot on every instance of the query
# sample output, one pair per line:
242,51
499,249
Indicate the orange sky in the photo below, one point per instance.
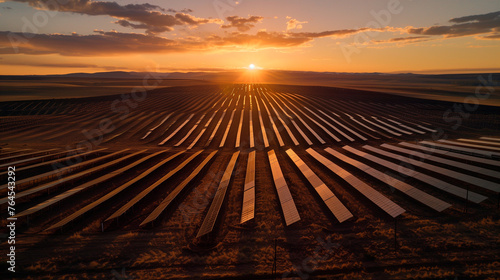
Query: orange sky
379,36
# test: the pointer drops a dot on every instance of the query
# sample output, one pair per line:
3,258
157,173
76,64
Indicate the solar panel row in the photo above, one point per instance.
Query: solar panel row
248,208
213,212
290,212
331,201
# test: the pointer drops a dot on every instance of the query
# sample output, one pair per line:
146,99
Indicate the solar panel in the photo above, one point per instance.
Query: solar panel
238,134
377,198
453,163
379,126
444,171
262,128
82,187
331,125
317,123
294,140
177,130
345,127
442,185
23,162
391,126
306,125
252,139
473,146
213,212
14,157
152,129
248,208
106,197
146,191
215,129
59,172
406,127
228,127
290,212
336,207
488,143
189,132
174,193
273,124
490,138
411,191
293,122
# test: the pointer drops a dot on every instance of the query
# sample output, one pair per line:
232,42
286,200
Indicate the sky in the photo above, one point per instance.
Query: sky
391,36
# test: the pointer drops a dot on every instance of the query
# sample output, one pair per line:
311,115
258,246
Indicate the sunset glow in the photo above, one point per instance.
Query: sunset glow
338,36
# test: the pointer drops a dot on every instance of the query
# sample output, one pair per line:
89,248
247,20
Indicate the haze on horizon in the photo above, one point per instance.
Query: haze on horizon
335,36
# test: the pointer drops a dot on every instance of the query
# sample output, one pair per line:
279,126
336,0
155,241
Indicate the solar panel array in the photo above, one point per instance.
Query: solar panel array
464,161
175,192
427,199
149,189
453,163
440,184
443,171
451,154
82,187
331,201
380,200
69,178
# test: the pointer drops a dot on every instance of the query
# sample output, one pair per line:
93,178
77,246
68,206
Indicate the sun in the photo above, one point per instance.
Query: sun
251,66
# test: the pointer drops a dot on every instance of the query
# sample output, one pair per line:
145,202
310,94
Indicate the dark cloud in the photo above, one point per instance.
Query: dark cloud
103,43
492,37
242,24
60,65
149,29
406,39
464,26
186,11
483,17
145,16
332,33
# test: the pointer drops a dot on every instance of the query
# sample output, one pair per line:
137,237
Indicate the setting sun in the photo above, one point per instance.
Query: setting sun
251,66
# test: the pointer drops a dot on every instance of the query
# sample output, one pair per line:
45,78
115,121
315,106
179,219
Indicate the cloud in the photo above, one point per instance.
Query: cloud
463,26
242,24
98,44
102,43
146,16
492,37
404,40
60,65
334,33
294,24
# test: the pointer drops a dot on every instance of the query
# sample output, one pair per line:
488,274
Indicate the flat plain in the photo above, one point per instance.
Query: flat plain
214,180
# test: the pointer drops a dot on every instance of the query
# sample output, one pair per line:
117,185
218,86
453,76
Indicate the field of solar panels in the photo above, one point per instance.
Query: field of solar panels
233,180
